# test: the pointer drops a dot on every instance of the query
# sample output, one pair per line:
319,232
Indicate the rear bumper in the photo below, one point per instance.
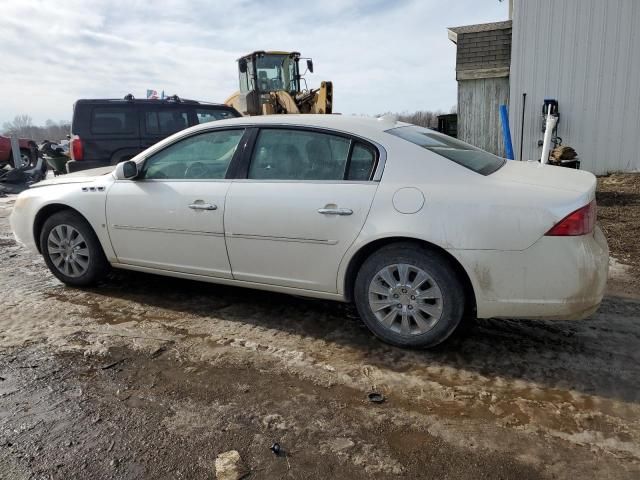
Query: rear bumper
78,165
558,278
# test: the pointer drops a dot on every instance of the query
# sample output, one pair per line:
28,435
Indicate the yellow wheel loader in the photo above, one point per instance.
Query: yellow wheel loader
270,82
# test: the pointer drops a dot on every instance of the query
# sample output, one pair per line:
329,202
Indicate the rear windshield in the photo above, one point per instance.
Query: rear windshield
455,150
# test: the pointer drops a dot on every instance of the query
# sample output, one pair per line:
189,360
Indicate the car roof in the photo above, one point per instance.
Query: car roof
145,101
359,125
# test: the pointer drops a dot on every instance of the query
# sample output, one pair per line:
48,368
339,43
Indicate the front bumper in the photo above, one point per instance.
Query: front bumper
556,278
21,221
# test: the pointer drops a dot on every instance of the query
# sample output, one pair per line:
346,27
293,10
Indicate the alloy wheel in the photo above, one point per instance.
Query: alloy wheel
405,299
68,250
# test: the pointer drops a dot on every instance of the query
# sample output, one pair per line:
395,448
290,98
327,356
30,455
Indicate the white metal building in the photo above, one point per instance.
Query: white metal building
586,55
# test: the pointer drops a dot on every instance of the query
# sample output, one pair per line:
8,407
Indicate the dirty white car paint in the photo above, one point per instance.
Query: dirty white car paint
311,236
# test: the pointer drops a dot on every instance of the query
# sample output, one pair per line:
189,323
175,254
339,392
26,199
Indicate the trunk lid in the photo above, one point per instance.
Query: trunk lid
548,176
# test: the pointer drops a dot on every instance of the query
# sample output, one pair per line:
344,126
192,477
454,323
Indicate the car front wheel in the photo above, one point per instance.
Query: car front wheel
71,249
409,296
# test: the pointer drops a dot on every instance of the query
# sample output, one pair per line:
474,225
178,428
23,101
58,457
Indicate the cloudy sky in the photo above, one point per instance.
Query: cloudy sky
382,55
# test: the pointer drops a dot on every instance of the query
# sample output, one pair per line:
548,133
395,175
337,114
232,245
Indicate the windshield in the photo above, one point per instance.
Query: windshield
276,72
455,150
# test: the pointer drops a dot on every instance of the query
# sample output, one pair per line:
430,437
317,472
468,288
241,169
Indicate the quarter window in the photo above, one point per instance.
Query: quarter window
281,154
362,162
113,120
203,156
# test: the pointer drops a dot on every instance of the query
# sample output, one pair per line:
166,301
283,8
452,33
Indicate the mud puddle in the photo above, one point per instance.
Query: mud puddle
126,415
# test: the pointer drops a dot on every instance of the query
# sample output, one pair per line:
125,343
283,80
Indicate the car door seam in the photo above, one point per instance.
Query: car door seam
106,218
355,239
224,227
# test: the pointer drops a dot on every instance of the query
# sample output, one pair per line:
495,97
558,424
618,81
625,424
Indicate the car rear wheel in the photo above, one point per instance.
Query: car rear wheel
71,250
409,296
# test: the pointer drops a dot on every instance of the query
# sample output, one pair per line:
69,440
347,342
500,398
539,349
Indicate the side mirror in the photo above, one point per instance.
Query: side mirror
68,137
126,170
242,65
310,65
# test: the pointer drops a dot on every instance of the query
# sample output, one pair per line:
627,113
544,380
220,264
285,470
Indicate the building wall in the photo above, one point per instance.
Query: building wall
585,54
483,58
478,112
485,49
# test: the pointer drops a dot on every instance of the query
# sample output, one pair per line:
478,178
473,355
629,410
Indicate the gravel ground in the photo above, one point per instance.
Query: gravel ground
153,377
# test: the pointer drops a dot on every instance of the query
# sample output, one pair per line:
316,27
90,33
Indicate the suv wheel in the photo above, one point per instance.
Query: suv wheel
409,296
71,250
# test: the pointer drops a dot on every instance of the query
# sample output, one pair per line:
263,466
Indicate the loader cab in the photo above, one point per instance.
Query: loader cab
266,72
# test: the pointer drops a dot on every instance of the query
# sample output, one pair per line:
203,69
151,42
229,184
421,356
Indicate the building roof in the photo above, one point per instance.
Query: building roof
480,27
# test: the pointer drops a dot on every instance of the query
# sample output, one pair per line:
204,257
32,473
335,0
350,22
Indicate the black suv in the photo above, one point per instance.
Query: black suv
107,131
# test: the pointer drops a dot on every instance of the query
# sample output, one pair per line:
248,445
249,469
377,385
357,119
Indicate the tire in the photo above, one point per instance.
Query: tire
86,263
25,154
420,311
26,157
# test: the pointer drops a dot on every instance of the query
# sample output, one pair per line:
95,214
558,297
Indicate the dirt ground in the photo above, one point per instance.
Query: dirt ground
619,216
153,377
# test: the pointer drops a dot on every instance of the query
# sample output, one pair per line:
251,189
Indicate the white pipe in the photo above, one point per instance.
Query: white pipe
548,131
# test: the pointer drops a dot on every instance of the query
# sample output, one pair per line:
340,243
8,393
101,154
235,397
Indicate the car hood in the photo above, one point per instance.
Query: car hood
83,176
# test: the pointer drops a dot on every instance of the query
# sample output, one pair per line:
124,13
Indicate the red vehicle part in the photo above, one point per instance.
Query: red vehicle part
26,146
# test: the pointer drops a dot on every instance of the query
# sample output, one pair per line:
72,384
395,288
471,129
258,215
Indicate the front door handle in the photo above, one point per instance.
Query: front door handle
335,211
203,206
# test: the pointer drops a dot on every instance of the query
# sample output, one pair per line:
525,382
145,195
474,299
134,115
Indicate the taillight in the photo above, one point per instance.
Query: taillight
580,222
77,151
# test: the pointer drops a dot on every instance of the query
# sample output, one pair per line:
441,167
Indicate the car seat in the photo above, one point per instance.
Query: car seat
263,81
322,166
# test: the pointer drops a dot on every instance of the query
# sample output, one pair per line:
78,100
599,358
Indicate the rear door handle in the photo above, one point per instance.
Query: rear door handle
335,211
203,206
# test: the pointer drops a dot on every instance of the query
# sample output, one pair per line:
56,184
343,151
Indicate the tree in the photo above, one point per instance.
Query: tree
22,126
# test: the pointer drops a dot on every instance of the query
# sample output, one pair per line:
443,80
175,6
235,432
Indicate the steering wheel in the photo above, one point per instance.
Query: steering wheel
196,170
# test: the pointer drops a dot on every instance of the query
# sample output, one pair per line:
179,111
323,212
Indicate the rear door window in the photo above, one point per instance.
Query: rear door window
113,120
205,115
288,154
281,154
165,121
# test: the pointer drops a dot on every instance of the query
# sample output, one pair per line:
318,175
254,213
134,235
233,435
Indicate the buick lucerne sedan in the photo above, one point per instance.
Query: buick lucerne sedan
418,229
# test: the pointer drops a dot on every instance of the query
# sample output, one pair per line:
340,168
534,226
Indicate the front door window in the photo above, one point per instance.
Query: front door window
203,156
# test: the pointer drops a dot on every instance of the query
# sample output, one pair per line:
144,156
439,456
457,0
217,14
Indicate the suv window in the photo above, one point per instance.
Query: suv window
203,156
455,150
165,121
209,115
113,120
282,154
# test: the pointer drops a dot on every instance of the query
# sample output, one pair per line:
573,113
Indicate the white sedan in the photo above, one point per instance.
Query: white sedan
417,228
